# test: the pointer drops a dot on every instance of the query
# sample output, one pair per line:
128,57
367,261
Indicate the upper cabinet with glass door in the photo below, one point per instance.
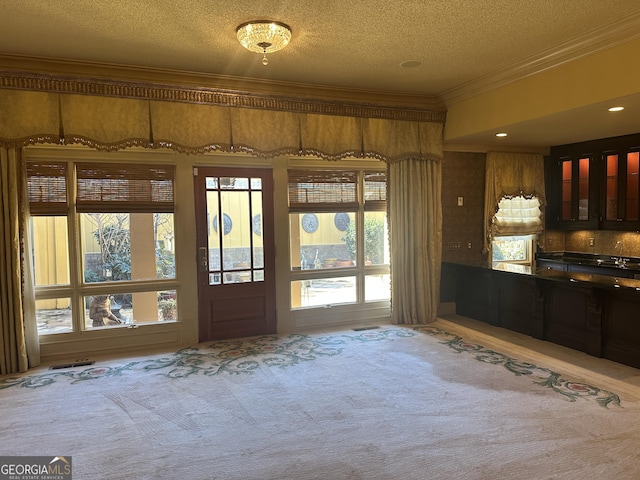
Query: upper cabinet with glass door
575,194
595,185
622,190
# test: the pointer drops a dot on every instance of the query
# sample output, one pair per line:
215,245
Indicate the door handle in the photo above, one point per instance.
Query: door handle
203,260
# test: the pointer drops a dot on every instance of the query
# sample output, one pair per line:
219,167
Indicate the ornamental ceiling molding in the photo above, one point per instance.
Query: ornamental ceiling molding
209,96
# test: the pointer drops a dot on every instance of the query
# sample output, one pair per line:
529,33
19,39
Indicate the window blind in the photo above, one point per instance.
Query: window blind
124,188
518,216
322,190
47,187
375,191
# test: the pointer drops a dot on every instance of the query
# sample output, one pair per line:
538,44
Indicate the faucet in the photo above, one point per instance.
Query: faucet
620,260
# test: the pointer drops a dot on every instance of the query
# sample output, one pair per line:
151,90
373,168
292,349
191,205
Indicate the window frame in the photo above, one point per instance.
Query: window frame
77,288
360,270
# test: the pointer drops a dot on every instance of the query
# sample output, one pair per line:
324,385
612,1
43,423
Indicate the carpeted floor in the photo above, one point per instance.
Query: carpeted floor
455,399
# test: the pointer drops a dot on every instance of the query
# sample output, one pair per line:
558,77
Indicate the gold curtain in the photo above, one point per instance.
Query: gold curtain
509,175
415,224
16,334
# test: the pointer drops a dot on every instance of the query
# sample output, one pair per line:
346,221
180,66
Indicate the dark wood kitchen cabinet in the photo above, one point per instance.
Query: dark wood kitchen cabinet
621,192
598,317
594,185
573,196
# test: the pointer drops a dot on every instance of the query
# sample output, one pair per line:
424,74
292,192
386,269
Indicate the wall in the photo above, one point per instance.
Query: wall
575,84
462,176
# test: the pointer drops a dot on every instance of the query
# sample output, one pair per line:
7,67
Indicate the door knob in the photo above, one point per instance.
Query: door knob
203,260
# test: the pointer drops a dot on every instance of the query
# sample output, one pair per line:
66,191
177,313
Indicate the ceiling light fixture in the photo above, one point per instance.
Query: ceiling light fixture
502,134
616,109
263,36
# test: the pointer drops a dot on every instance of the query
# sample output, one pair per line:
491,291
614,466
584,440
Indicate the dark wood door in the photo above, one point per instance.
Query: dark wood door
236,259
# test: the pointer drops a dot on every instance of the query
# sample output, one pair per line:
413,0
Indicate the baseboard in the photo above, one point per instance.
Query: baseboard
447,308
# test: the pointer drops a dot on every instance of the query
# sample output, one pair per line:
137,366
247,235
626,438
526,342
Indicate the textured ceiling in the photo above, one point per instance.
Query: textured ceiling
336,43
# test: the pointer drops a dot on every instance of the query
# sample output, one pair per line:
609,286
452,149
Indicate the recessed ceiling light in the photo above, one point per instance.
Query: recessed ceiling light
616,109
501,134
411,64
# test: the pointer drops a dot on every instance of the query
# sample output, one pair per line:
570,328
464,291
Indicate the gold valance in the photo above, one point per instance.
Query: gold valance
510,175
111,122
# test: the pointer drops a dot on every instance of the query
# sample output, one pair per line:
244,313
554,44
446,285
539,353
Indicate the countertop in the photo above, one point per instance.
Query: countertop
605,261
601,281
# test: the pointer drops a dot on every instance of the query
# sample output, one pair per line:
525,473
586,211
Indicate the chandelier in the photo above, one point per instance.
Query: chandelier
263,36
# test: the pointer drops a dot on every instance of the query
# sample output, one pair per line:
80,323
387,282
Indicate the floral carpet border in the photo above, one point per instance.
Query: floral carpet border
244,355
542,376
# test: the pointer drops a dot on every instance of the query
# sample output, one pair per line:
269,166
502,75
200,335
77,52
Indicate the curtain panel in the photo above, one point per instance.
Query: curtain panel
509,175
415,224
18,332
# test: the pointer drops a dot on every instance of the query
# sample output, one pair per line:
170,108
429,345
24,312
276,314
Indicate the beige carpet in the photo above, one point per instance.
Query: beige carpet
453,400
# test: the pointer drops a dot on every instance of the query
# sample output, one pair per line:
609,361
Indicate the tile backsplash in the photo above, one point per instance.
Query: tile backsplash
597,242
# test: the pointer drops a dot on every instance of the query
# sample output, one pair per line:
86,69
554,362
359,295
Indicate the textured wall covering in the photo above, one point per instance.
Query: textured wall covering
462,176
604,242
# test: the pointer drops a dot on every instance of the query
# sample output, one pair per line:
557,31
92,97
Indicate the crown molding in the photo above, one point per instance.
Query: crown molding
603,38
485,148
208,96
65,76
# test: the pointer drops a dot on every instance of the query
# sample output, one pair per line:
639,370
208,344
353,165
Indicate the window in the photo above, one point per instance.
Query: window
514,249
515,226
338,237
103,252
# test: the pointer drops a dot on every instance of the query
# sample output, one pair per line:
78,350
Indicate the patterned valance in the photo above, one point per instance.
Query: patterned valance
110,115
513,175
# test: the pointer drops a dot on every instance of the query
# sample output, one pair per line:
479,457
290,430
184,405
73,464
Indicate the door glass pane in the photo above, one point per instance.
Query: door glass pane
239,276
612,187
583,189
256,184
53,315
50,250
236,241
234,183
212,233
256,228
632,186
567,176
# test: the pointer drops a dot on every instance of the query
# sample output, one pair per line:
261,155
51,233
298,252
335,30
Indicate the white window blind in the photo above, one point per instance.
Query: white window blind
518,216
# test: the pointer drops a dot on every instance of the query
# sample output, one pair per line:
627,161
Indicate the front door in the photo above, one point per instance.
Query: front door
236,259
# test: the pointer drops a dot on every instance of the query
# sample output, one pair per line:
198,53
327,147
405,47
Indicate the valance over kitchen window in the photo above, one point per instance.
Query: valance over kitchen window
514,195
